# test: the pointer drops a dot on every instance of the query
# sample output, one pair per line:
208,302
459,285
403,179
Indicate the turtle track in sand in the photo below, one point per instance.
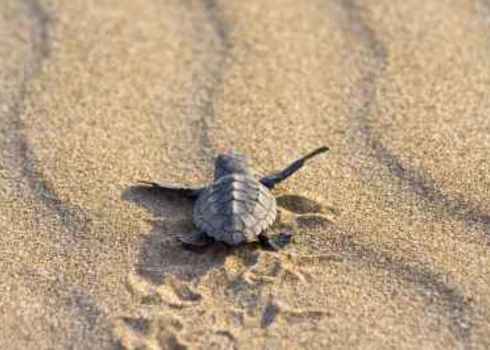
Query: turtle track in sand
22,157
416,180
208,76
458,311
31,185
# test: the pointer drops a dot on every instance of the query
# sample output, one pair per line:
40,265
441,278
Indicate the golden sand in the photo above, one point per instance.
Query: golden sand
392,227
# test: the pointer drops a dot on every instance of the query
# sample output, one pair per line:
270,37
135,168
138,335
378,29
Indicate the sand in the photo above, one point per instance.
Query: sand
392,226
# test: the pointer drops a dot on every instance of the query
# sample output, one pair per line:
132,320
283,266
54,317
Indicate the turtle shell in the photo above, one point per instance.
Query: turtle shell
236,208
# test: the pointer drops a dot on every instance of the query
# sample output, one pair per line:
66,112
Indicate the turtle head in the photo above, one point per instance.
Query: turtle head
231,163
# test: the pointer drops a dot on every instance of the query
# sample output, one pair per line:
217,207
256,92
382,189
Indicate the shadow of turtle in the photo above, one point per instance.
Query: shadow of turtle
161,253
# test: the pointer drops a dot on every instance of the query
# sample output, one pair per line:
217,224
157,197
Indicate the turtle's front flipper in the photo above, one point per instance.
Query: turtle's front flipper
187,191
275,242
195,239
272,180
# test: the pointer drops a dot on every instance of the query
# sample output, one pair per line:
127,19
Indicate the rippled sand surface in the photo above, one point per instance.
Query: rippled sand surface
392,226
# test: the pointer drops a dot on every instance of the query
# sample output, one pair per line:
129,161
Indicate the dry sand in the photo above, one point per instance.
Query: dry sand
393,226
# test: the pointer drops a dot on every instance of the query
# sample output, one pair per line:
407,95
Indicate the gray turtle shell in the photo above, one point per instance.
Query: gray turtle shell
236,208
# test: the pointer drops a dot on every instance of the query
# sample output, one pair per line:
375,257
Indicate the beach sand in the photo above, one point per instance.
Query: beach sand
392,225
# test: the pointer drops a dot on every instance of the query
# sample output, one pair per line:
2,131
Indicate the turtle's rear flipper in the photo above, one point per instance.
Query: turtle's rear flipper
275,242
187,191
195,239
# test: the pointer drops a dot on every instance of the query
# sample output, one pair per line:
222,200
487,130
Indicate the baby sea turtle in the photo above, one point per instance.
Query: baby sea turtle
236,208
